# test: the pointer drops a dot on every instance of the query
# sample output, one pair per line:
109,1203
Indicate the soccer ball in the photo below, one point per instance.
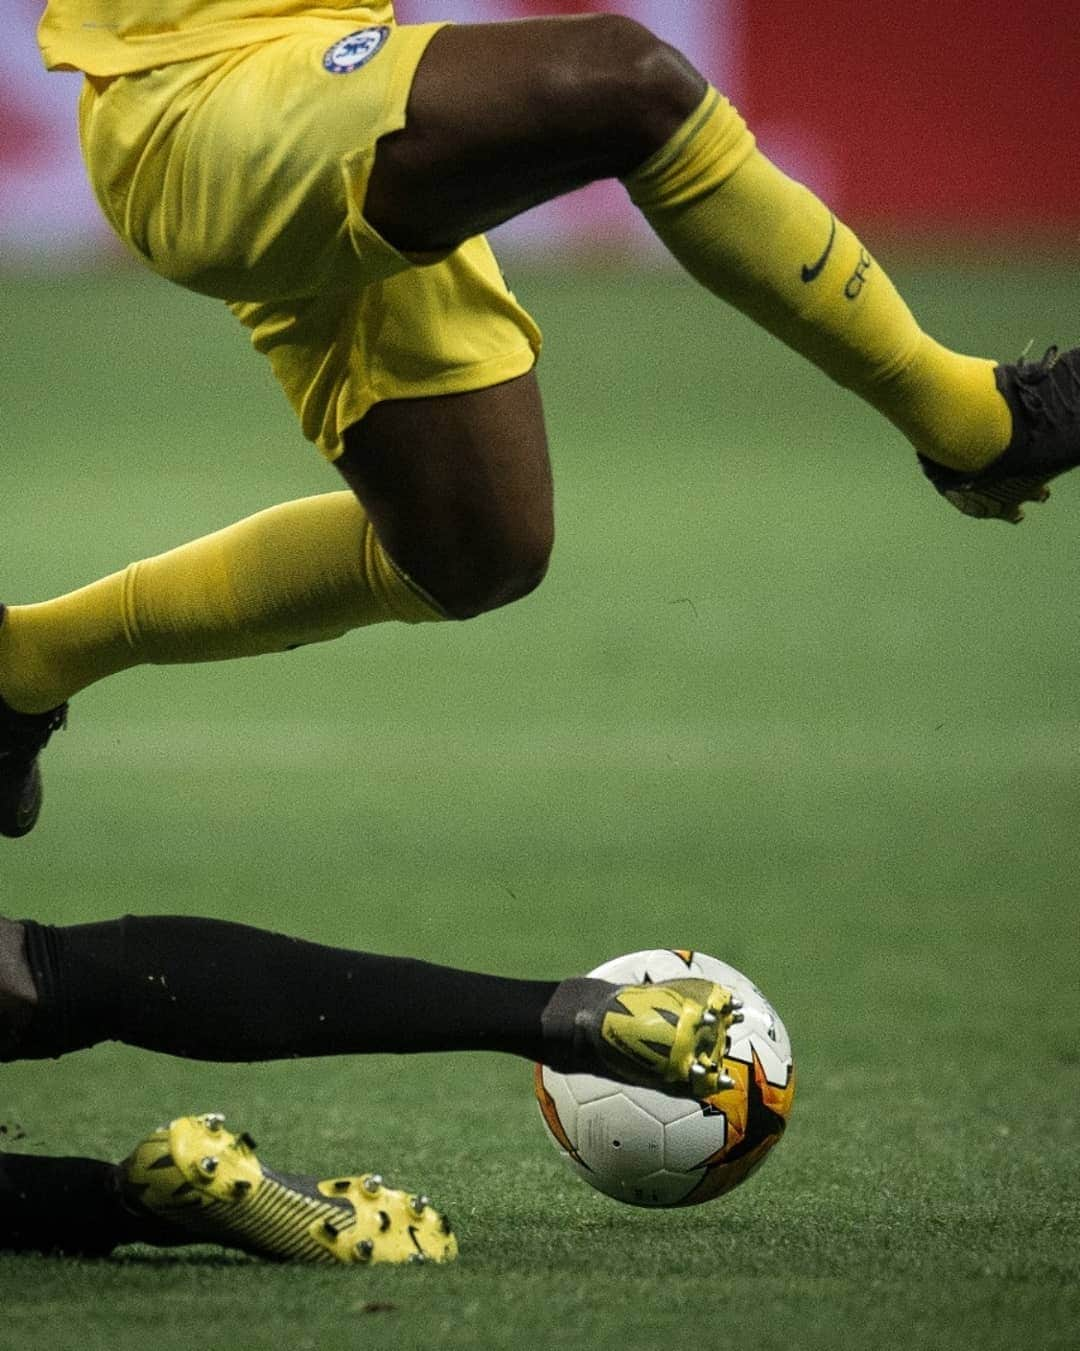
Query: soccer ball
648,1149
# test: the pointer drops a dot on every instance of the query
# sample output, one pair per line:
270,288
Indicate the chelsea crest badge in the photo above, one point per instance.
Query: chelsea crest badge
356,50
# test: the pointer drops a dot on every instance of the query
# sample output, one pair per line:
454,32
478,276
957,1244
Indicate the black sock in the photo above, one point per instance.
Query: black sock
69,1206
207,989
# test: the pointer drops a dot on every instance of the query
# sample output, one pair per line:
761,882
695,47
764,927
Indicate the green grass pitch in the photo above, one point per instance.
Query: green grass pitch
775,701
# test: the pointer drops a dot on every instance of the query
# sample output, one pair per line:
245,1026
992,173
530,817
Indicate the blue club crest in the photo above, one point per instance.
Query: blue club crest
355,50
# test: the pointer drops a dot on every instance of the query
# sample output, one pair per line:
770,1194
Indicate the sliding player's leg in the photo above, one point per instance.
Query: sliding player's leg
191,1181
555,103
18,993
187,987
194,1180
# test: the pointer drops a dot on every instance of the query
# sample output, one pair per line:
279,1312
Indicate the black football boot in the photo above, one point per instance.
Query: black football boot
23,737
1044,399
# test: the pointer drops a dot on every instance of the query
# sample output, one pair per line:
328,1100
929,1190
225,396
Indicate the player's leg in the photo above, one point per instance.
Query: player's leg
504,116
18,994
70,1205
364,326
187,987
165,1194
195,1181
555,103
450,515
459,489
294,574
309,570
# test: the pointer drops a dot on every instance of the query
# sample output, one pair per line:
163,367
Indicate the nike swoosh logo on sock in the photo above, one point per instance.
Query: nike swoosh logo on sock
812,273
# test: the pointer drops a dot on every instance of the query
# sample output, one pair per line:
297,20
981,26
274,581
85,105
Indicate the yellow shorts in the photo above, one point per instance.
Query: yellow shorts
243,176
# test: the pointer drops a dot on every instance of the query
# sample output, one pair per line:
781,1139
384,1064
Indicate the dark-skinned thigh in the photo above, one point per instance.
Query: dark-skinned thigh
504,116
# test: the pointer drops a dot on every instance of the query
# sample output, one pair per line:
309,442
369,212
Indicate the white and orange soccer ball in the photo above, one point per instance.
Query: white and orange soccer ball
648,1149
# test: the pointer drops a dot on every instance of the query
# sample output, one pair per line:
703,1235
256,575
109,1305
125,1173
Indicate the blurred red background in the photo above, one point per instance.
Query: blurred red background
934,121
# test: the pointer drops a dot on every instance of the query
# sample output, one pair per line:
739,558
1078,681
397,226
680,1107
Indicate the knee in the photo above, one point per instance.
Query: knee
631,79
486,572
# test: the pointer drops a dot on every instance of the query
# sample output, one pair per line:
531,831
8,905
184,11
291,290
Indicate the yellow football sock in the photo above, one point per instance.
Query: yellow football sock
767,245
297,573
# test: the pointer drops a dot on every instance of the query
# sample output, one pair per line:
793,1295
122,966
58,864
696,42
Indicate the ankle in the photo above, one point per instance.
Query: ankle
26,685
949,407
567,1022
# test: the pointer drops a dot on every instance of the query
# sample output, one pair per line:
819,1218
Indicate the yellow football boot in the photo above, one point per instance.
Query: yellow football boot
671,1035
198,1176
